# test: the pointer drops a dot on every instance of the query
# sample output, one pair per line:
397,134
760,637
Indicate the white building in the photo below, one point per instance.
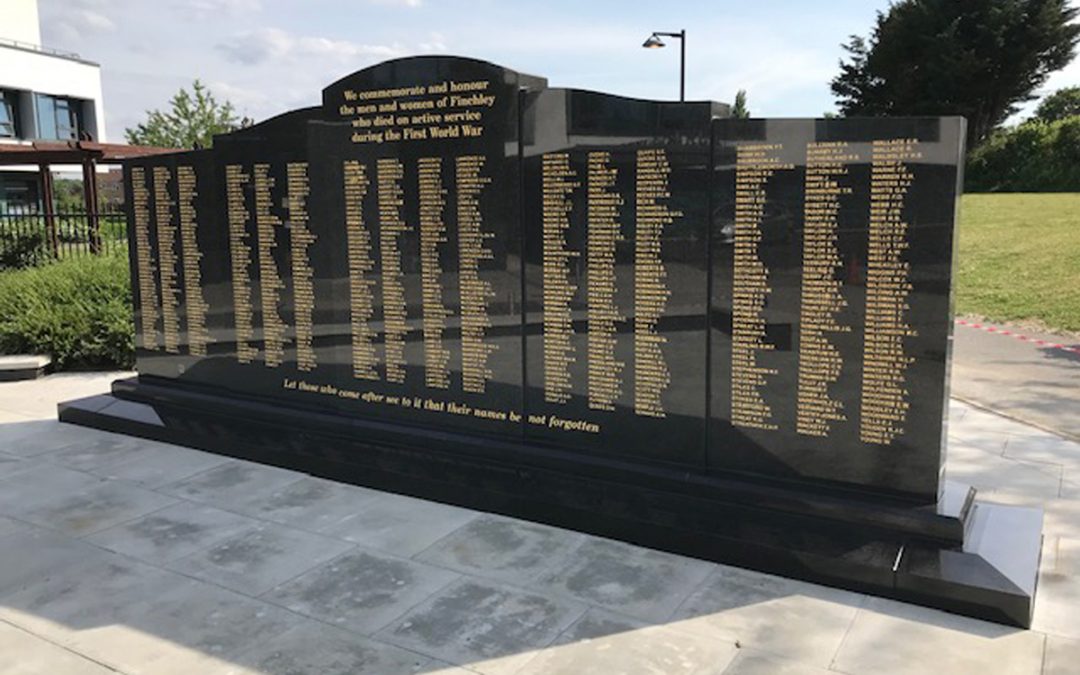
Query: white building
45,95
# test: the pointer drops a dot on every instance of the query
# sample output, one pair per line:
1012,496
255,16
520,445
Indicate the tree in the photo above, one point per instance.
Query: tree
1059,105
191,121
739,110
1036,156
976,58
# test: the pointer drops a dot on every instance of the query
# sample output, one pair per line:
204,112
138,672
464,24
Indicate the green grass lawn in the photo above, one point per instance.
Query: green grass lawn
1019,259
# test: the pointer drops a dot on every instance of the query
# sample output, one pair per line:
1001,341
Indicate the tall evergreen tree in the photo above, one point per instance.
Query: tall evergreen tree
739,110
976,58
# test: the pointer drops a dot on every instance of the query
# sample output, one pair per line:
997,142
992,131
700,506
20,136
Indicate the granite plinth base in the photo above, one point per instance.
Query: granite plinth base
963,556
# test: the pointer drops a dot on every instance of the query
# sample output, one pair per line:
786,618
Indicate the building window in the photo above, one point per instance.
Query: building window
58,118
9,125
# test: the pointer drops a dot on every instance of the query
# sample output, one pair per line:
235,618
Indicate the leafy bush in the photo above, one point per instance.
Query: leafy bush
21,249
1036,156
78,310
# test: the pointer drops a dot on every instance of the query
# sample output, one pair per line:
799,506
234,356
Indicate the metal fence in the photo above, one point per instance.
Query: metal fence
29,237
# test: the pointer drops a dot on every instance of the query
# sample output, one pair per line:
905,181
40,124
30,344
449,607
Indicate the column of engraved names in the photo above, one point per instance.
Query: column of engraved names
270,284
884,406
603,202
191,262
166,237
557,178
432,235
300,240
651,374
236,180
144,259
361,265
820,362
389,173
755,165
476,293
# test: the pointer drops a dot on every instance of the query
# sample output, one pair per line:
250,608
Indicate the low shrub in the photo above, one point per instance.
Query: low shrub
78,310
1035,156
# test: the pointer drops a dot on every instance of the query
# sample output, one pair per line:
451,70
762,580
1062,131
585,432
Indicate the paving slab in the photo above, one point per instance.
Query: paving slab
310,503
488,628
1057,602
96,451
998,477
601,643
400,525
154,465
1062,656
318,649
785,617
755,662
9,526
232,483
173,532
36,437
1035,445
259,558
895,638
33,555
42,484
22,653
96,591
96,508
634,581
362,591
495,547
191,627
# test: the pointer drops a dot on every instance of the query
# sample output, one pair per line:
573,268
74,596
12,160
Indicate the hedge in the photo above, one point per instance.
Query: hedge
78,310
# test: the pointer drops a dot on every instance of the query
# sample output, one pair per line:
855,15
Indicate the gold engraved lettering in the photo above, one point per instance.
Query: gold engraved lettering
144,259
195,304
755,165
558,185
166,236
476,292
240,249
883,411
300,240
389,173
361,265
432,234
270,284
820,361
651,293
604,370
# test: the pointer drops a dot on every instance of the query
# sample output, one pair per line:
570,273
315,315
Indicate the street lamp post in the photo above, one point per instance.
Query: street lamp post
654,42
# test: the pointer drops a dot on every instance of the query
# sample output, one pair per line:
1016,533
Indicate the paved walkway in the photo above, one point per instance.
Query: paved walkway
122,555
1029,376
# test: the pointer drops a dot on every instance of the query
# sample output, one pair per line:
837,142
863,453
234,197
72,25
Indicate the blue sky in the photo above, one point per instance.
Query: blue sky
268,56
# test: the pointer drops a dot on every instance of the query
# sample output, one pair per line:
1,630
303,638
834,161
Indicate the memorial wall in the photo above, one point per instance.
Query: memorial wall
453,245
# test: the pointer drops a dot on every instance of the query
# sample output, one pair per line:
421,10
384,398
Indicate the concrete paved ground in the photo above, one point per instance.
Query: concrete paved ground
1023,379
121,555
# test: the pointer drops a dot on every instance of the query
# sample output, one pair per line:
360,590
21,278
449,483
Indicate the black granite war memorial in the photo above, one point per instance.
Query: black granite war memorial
727,338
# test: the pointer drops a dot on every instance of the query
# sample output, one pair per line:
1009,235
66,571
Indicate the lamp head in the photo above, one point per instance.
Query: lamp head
654,42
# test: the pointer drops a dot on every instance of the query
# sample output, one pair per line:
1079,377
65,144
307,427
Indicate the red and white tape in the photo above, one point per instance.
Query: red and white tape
1019,336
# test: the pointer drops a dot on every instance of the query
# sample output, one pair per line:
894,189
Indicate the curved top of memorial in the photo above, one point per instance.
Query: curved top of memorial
401,77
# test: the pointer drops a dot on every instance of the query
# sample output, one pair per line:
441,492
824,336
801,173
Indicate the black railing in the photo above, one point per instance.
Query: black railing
29,237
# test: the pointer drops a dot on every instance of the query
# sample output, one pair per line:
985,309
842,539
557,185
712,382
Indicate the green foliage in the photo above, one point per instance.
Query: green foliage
1035,156
22,248
739,110
1059,105
78,310
977,58
191,121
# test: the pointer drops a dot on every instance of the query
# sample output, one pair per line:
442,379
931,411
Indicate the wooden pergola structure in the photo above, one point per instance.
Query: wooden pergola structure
86,154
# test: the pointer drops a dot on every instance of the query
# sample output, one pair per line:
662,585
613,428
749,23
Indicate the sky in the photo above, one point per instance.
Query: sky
269,56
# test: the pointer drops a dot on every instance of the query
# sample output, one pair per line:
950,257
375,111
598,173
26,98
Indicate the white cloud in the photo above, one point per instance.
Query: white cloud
75,23
266,44
200,10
